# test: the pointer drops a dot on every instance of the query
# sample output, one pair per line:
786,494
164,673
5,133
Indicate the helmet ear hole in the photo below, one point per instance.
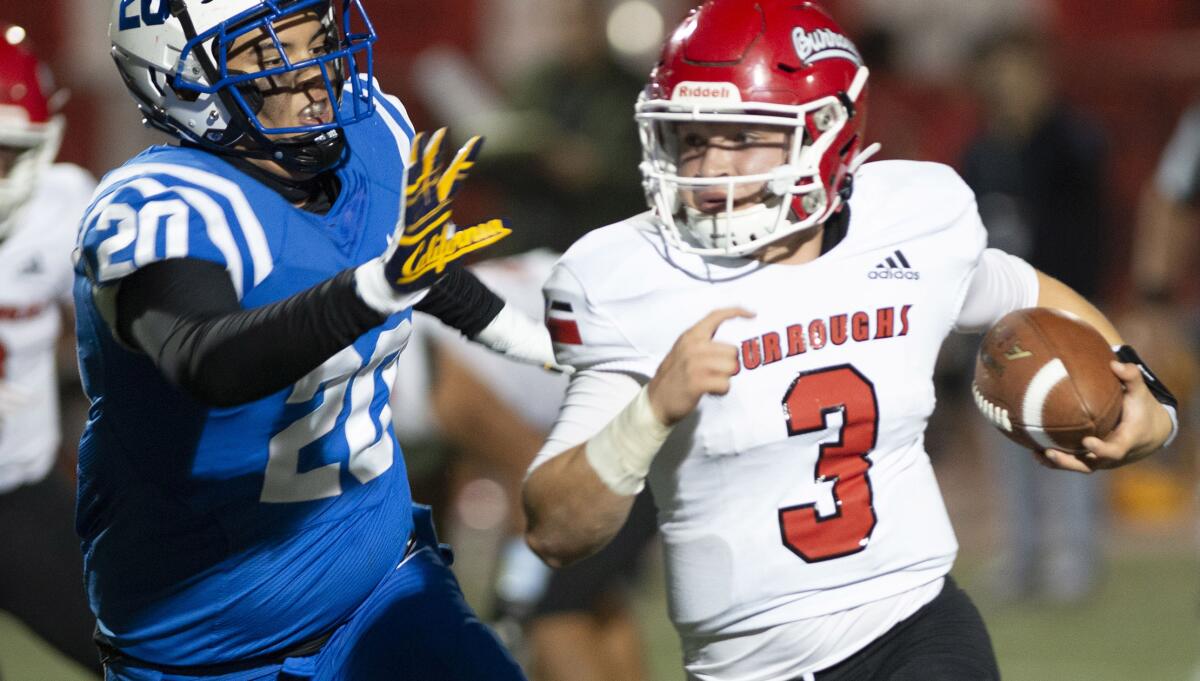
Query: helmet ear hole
161,82
158,80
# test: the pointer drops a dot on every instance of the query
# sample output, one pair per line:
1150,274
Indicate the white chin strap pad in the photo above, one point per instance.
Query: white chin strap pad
726,230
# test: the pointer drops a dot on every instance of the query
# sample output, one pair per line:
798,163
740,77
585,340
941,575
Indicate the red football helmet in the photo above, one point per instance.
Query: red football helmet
767,62
28,124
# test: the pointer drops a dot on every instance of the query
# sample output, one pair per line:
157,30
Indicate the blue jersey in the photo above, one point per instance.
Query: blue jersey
217,534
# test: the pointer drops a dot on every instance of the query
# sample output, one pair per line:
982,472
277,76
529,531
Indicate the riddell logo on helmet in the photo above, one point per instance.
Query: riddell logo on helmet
692,91
823,43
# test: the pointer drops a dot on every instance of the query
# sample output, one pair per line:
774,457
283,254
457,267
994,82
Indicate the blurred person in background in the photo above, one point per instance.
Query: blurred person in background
1170,213
41,576
759,351
1038,172
573,624
902,101
1164,309
1164,248
578,170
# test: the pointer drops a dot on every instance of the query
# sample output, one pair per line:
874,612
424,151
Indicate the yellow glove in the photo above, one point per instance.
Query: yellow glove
428,240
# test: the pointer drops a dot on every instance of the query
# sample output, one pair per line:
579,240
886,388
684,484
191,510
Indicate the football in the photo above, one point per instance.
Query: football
1042,377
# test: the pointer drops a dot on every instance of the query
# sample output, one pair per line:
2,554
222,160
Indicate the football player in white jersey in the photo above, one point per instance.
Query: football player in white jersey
759,349
40,204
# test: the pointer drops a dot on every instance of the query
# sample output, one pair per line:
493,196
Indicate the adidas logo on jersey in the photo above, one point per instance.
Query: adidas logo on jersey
895,266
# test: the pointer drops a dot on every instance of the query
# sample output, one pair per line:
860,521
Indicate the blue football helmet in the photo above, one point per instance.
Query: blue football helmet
174,56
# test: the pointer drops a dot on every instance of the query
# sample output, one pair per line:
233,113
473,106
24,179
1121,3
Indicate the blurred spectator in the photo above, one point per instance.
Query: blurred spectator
939,35
1037,169
579,169
41,580
895,119
1163,255
1163,321
1169,216
912,118
494,415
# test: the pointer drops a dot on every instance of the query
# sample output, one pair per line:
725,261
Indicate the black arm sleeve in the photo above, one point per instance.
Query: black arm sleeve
461,301
185,315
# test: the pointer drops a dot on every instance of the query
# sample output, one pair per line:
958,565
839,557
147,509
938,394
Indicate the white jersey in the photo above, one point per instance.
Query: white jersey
35,279
806,491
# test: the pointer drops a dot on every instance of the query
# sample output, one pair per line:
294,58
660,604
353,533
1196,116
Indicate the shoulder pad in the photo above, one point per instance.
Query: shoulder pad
584,335
146,212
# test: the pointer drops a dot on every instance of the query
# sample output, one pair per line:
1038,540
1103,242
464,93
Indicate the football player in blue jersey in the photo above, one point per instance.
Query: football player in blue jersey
243,296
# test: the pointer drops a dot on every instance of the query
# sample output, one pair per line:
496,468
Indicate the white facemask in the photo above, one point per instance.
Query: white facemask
41,143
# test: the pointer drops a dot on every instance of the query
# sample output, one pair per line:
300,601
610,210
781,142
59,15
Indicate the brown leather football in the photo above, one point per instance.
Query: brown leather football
1042,377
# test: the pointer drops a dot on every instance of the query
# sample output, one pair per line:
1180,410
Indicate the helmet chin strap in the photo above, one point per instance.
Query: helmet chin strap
312,153
739,228
760,222
757,224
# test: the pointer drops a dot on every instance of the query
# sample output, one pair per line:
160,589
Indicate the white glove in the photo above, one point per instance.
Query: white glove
515,335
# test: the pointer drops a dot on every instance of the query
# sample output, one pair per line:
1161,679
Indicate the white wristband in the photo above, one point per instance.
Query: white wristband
1174,424
371,284
1151,382
621,453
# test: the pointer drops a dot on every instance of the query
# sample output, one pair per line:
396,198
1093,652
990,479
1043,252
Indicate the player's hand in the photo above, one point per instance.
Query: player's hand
427,240
517,336
1144,428
696,366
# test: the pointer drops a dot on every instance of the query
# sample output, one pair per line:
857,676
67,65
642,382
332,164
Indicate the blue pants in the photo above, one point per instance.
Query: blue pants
415,625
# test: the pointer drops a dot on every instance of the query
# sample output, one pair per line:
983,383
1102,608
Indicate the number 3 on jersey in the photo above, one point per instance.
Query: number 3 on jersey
821,530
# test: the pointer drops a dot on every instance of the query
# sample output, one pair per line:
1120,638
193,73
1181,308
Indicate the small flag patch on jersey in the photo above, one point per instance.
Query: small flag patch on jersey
563,328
